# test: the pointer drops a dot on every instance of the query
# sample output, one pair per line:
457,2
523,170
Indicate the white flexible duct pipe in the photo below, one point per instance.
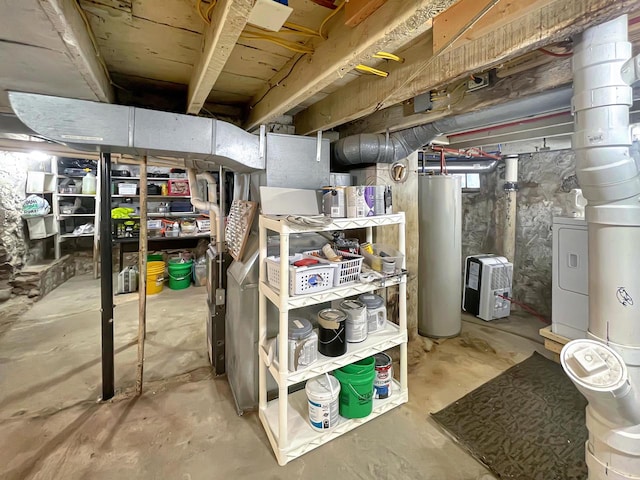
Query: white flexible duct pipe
606,369
211,206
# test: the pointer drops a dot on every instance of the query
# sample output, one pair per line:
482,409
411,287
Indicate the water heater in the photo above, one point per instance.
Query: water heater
487,286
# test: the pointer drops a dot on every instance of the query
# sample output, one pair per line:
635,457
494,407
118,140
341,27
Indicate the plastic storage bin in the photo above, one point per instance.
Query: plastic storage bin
348,269
385,259
312,279
127,188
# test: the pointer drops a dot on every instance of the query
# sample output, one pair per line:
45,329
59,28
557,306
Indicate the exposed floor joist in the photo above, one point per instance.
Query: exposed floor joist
548,24
227,22
523,84
393,25
74,30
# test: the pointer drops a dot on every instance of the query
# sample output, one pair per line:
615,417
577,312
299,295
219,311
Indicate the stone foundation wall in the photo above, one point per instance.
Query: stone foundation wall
15,248
36,281
545,180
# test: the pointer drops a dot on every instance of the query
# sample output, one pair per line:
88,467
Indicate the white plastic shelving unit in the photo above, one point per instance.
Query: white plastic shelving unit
93,216
285,418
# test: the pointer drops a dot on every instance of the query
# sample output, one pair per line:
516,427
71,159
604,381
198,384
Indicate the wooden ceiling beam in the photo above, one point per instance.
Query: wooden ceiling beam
393,25
548,24
523,84
70,23
227,22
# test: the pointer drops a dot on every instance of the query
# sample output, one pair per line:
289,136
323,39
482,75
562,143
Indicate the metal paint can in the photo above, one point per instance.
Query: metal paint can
378,200
384,375
355,202
334,202
332,336
357,327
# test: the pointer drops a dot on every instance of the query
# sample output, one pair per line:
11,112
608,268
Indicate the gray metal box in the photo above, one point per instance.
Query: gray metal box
292,162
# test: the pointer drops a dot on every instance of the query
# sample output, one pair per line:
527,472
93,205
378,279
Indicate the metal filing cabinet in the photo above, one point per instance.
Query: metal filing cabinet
570,300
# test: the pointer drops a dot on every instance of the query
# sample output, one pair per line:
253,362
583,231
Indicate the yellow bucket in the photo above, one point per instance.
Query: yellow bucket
155,277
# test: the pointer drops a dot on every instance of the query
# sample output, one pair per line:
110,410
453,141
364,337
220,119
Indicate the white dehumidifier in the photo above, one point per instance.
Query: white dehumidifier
487,286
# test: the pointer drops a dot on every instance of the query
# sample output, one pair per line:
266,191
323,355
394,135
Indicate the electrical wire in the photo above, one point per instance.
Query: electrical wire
527,308
329,17
555,54
388,56
277,84
374,71
289,45
301,28
446,46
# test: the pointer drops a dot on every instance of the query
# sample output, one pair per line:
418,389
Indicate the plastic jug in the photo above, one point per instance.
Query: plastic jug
89,184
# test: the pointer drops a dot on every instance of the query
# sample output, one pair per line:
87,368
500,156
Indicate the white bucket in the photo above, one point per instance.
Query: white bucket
323,393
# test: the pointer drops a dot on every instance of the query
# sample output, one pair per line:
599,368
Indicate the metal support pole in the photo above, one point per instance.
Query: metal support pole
106,279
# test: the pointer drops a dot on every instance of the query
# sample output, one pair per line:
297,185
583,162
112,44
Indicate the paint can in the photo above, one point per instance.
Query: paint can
355,202
384,376
333,202
376,311
332,333
378,200
302,343
323,394
356,322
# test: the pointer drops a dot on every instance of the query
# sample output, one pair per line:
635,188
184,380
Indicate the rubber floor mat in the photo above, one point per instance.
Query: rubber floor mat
526,424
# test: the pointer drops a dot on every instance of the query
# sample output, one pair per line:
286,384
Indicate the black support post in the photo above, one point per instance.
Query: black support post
106,279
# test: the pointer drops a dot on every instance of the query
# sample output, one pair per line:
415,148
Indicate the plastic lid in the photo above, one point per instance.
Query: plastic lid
326,387
371,300
299,328
352,305
594,366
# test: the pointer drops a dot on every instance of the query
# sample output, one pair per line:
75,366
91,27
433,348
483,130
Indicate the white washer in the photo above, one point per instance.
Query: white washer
570,296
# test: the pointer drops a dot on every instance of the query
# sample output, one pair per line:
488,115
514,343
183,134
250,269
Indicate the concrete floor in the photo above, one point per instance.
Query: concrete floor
184,426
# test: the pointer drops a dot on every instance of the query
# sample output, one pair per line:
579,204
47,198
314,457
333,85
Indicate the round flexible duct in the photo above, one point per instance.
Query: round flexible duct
380,148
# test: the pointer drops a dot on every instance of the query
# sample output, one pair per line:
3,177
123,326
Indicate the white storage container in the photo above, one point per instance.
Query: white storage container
348,268
127,188
42,227
385,259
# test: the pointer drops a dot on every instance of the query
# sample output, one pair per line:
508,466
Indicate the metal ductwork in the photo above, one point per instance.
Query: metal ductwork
606,367
380,148
103,127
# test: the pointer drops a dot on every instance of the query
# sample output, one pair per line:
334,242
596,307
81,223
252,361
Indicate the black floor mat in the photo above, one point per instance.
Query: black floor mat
526,424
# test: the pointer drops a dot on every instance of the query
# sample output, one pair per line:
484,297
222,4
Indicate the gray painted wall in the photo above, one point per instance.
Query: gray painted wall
545,180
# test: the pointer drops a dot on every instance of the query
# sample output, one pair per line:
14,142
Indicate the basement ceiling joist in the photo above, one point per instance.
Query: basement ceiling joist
548,24
393,25
228,20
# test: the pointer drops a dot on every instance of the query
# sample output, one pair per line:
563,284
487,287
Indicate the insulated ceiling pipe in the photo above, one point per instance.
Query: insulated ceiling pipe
487,166
606,368
380,148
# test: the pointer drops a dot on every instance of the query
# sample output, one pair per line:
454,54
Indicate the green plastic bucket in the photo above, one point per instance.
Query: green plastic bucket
155,257
356,388
179,274
362,366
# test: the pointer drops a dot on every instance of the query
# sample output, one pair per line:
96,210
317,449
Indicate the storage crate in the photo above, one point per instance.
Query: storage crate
41,182
125,227
179,187
312,279
348,268
42,227
375,261
127,188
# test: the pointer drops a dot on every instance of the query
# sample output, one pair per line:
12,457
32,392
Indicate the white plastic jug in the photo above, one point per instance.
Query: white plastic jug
89,183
